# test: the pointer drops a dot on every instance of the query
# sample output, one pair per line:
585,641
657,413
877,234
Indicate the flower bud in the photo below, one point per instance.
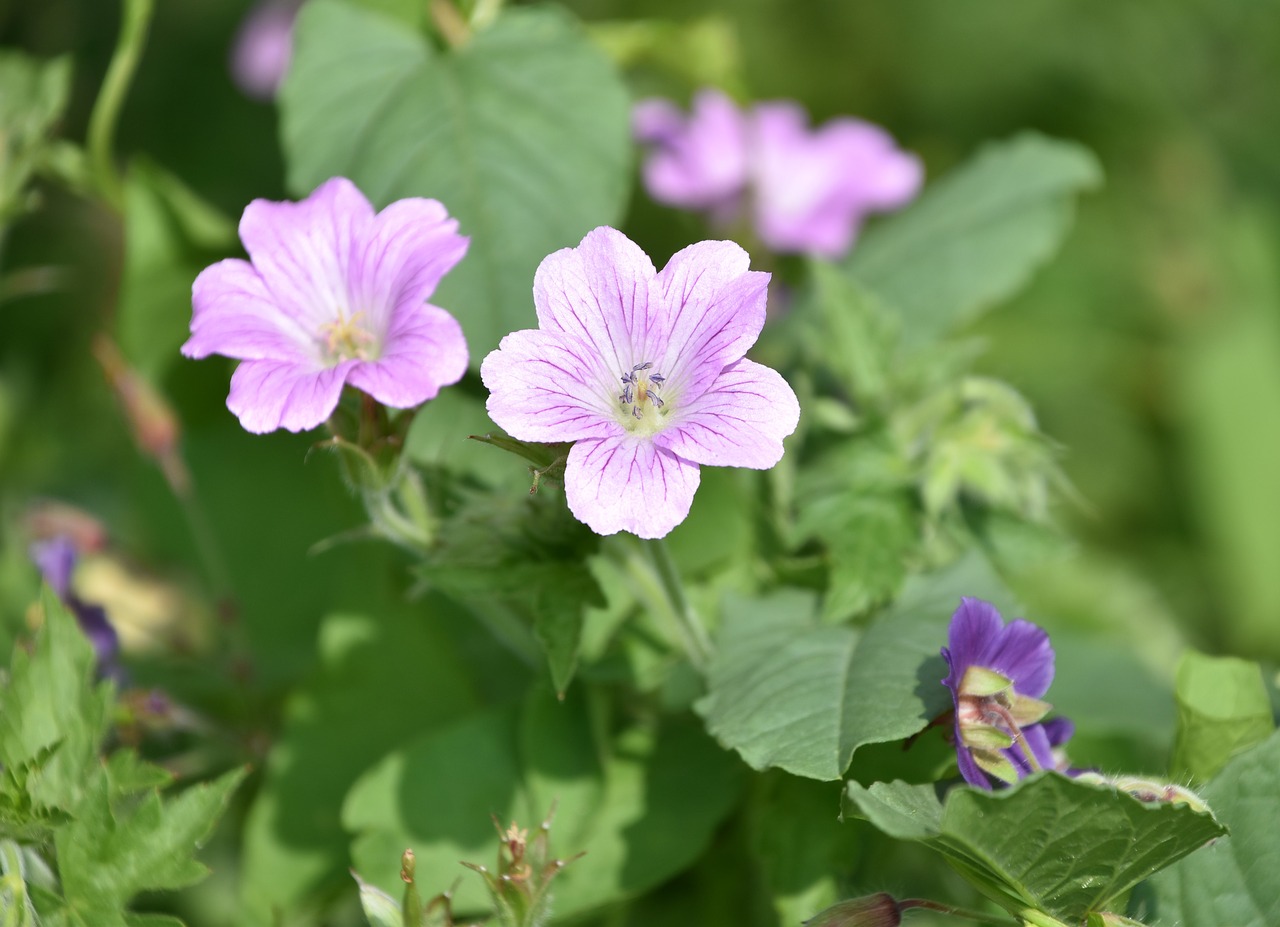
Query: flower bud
878,910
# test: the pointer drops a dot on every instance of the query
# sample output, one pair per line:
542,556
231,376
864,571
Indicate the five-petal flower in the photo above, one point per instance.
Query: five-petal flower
998,674
645,372
333,293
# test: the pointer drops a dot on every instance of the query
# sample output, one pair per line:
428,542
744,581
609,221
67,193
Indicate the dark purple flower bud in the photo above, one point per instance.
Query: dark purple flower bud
878,910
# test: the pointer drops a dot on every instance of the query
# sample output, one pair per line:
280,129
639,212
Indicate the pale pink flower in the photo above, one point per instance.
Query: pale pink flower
645,373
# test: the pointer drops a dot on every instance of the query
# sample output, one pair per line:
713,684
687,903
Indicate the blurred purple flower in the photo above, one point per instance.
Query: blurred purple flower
262,48
807,190
56,560
334,293
645,372
998,674
699,162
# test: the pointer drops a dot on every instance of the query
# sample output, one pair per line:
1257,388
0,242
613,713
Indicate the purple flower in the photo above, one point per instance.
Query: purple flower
262,48
998,674
812,190
807,190
334,293
696,163
645,373
56,560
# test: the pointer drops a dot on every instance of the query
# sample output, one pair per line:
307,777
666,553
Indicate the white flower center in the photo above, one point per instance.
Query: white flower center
641,410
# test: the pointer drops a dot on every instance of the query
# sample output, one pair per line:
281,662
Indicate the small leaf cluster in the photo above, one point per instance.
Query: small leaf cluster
81,834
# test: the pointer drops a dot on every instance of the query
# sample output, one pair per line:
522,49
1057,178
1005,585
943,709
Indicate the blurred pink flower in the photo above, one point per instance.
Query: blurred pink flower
262,48
333,293
805,190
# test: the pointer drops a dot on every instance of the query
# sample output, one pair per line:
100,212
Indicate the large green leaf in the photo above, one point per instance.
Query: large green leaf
642,811
1223,709
1050,844
975,236
382,678
800,845
522,133
1233,881
785,691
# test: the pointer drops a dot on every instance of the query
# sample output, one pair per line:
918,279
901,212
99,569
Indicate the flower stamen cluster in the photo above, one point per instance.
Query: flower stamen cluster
345,338
638,389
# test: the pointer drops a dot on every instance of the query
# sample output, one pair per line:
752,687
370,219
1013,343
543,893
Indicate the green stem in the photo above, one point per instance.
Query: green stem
115,86
955,912
697,643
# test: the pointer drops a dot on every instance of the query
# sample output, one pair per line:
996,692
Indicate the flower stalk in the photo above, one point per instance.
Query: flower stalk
134,24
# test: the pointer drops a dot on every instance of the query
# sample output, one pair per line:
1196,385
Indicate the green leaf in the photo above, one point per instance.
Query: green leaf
1232,881
800,845
382,678
112,851
380,909
523,133
643,806
1228,392
52,714
1050,844
784,691
33,94
849,332
1223,709
975,236
170,236
907,812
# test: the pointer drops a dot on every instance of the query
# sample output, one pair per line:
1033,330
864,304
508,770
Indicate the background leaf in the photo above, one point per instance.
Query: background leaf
523,133
33,94
975,236
112,851
784,691
1233,880
52,711
383,677
643,806
1223,709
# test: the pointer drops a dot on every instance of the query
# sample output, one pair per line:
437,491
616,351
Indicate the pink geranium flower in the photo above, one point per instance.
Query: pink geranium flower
333,293
803,190
645,373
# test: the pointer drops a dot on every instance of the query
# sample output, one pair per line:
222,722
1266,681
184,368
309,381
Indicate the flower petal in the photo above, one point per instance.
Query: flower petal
55,558
739,421
599,294
424,350
410,246
234,315
1023,653
628,484
714,309
269,394
973,626
549,386
699,162
304,251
